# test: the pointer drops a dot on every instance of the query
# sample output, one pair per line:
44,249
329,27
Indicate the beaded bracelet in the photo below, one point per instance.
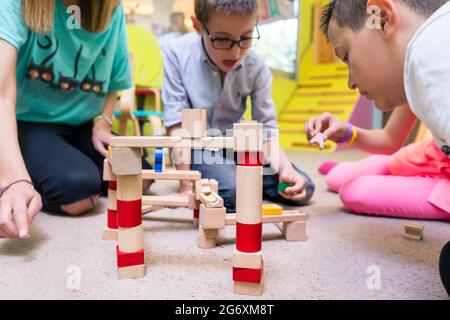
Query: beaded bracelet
103,117
4,189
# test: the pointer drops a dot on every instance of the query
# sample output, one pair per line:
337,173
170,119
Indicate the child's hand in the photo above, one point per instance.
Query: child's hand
101,136
332,128
18,206
297,191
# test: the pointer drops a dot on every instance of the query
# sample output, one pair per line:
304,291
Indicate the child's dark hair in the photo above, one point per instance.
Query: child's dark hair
205,8
353,13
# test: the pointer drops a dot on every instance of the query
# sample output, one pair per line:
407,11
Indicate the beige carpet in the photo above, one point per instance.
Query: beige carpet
66,258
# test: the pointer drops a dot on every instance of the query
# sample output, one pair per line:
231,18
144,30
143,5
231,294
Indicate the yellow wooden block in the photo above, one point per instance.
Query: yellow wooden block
270,209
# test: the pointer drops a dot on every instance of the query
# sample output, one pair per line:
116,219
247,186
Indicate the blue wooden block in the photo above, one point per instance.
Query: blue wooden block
159,160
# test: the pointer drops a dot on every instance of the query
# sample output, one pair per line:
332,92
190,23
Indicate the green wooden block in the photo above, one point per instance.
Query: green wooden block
283,186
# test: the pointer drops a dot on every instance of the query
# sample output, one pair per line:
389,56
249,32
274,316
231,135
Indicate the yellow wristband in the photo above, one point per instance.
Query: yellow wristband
354,137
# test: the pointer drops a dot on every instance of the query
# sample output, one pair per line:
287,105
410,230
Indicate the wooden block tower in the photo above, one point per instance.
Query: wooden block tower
247,257
127,166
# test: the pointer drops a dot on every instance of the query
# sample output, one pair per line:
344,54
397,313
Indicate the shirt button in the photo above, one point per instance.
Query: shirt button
446,150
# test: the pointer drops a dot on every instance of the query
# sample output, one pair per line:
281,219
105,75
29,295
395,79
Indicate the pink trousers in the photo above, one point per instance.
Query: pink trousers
367,187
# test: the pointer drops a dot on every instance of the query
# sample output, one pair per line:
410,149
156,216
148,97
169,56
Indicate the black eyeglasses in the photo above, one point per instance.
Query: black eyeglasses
227,43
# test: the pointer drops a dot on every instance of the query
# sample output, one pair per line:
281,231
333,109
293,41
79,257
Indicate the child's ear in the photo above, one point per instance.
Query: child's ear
383,16
197,25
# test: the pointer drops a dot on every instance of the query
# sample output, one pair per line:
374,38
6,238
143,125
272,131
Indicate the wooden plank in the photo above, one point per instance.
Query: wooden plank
145,142
171,175
170,142
167,201
287,216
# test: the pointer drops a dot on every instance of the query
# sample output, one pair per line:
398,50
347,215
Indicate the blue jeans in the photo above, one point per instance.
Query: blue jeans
222,167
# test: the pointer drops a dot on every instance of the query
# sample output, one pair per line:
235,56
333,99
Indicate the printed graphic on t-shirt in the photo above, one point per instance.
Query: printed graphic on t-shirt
45,70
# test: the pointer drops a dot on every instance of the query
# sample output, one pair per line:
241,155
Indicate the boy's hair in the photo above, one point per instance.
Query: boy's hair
205,8
353,13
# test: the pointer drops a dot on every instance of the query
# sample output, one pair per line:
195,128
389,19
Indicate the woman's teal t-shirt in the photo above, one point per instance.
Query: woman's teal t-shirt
64,75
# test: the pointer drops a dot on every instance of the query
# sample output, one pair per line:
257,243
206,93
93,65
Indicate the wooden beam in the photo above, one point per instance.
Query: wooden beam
172,175
287,216
178,201
145,142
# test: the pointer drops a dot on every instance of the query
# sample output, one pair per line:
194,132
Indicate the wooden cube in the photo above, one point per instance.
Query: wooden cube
248,136
212,218
247,260
414,231
248,288
133,272
126,161
294,231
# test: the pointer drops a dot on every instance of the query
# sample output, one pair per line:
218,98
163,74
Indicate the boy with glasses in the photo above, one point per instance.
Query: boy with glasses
213,69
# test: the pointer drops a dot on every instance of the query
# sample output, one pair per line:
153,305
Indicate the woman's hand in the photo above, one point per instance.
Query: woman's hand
297,191
18,207
332,128
101,136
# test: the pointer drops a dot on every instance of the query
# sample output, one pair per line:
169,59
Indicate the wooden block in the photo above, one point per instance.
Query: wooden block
131,239
287,216
247,275
197,189
414,231
177,201
193,203
112,200
195,222
126,161
249,194
294,231
283,186
248,288
247,260
205,243
194,123
212,218
133,272
171,175
214,185
145,142
207,238
208,233
212,200
108,175
271,209
248,137
129,187
318,139
159,160
110,234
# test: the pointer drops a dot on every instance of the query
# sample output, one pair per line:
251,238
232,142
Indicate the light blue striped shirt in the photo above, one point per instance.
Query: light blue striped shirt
191,80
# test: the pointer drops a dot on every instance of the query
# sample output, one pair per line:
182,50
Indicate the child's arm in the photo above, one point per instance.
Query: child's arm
383,141
20,203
